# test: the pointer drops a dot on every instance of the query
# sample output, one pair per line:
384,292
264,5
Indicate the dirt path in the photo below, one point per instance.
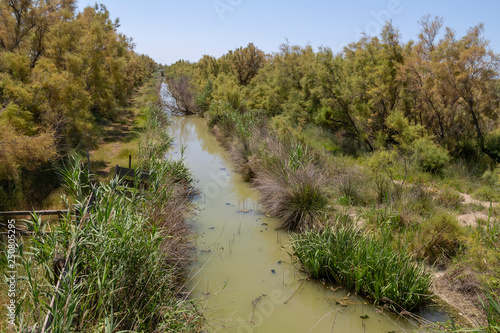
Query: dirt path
117,143
471,218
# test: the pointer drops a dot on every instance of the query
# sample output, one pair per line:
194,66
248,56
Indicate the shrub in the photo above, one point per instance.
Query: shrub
297,199
350,186
492,177
492,145
126,261
449,198
486,193
439,240
218,112
429,156
204,98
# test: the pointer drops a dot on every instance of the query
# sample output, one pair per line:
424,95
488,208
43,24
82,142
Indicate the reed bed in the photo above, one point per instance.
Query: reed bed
124,271
124,251
358,262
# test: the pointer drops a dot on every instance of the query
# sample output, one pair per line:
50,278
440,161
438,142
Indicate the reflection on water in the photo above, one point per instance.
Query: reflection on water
243,277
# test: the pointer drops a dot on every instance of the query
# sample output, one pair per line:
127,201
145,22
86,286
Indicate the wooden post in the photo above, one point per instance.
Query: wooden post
130,161
88,161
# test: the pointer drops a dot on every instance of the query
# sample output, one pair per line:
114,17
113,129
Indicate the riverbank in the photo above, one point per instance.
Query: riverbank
125,249
415,219
243,277
419,213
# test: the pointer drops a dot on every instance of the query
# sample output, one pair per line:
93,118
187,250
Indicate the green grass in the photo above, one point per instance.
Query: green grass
124,274
358,262
486,193
438,240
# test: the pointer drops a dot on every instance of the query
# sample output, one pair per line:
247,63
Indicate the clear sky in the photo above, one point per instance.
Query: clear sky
170,30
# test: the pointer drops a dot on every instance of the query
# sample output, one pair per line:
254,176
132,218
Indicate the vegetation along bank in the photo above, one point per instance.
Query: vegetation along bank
382,159
70,83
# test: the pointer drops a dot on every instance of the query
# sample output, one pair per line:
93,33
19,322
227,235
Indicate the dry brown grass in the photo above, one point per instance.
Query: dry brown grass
297,199
168,212
294,187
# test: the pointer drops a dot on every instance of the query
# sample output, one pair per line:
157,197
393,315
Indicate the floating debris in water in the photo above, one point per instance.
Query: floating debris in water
211,228
342,303
273,271
264,223
223,168
244,211
280,262
364,317
228,204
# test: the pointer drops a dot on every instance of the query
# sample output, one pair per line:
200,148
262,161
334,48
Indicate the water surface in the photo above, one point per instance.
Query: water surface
243,277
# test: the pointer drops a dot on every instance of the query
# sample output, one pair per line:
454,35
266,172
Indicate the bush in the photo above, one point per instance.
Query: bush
204,98
350,187
439,240
218,112
492,177
429,156
486,193
449,198
492,145
363,264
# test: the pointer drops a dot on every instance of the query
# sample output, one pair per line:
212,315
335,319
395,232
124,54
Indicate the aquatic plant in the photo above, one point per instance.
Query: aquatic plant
343,255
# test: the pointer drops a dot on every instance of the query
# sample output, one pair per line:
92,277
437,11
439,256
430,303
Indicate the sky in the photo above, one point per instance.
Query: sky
168,30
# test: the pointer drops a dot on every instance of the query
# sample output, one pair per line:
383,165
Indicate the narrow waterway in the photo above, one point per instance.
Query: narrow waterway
243,277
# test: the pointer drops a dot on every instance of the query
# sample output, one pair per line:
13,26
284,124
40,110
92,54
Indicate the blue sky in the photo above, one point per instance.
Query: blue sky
170,30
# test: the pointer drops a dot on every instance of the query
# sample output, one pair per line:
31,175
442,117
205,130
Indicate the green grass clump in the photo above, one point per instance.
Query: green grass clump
492,309
438,240
486,193
449,198
361,263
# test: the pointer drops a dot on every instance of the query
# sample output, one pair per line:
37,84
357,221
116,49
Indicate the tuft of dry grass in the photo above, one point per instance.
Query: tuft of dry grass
294,187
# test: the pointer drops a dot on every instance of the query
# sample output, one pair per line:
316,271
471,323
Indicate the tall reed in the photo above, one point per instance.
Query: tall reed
124,268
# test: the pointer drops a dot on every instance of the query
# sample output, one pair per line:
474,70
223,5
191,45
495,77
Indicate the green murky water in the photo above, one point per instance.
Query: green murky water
243,277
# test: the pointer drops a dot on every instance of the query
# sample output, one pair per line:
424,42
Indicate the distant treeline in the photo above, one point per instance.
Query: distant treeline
62,73
442,90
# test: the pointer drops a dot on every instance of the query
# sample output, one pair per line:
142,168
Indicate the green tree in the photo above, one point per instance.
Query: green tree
246,62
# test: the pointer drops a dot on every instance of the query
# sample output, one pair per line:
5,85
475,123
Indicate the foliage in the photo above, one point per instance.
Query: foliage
423,98
246,62
204,98
486,193
62,75
492,308
126,254
429,156
382,117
